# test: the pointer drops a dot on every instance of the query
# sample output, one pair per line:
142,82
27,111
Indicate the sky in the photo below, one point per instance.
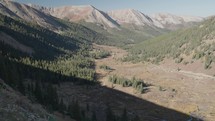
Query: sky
201,8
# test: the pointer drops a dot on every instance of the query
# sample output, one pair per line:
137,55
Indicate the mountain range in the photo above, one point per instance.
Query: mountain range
86,13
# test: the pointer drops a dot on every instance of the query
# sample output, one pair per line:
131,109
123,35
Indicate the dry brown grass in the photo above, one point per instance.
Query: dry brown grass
189,90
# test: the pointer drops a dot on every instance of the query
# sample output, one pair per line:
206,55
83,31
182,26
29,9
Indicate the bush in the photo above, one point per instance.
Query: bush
105,67
208,61
179,60
99,54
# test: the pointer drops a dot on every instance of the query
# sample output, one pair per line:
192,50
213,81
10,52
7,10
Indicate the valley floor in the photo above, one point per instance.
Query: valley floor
174,86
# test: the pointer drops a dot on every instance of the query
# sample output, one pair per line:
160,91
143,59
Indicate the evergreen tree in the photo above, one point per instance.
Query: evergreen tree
21,86
109,114
136,118
88,107
38,92
124,116
83,116
94,116
74,110
62,106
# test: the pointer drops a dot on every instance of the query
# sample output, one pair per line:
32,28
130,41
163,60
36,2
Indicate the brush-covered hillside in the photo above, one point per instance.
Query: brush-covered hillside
193,43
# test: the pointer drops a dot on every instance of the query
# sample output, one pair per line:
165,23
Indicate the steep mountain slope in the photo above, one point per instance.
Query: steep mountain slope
7,11
183,45
120,27
171,21
27,13
125,36
86,13
134,27
161,20
22,40
15,107
32,40
130,16
33,60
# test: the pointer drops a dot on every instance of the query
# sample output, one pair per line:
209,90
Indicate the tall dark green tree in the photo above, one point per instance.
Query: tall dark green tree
62,106
94,116
109,114
124,116
136,118
21,86
38,92
74,110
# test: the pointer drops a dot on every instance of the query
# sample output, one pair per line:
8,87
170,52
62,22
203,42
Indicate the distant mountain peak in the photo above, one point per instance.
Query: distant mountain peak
28,13
170,21
90,14
130,16
87,13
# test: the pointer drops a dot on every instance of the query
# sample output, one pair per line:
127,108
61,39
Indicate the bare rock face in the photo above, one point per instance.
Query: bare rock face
169,21
86,13
161,20
28,13
130,16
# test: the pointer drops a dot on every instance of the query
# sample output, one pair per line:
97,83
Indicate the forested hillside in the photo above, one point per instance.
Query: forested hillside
34,60
125,35
197,42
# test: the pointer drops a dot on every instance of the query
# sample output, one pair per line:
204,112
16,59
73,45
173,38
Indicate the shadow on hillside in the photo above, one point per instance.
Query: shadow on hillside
147,111
99,97
44,42
97,94
12,71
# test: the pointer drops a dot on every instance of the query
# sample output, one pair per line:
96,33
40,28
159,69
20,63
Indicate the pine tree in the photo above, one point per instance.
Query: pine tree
109,114
62,106
136,118
74,110
94,116
21,86
38,92
124,116
88,107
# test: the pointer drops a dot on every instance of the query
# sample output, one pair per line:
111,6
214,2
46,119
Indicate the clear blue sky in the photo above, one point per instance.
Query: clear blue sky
179,7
